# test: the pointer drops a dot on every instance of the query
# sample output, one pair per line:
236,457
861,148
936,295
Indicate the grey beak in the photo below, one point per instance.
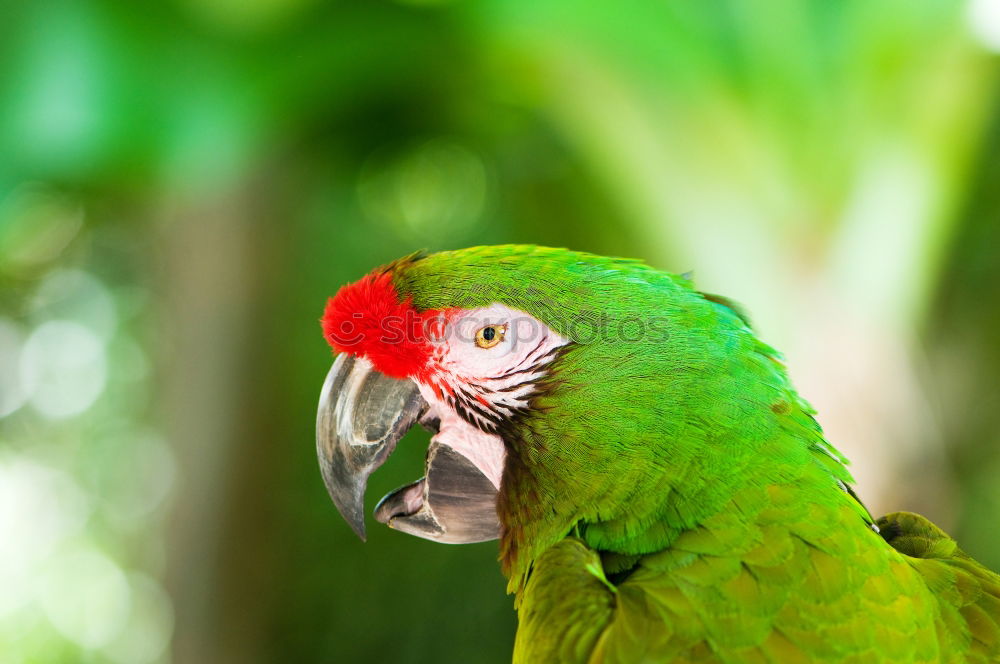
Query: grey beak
362,414
454,503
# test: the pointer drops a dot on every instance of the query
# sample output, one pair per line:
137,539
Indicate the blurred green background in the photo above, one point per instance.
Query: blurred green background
182,184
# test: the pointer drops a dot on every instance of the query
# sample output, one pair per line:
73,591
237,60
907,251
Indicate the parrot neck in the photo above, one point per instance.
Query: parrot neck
633,506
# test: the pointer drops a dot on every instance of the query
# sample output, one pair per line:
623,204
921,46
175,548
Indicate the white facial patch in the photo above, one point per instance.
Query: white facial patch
473,389
525,342
492,383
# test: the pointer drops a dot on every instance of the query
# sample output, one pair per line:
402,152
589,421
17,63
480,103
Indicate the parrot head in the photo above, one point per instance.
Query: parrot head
566,393
416,345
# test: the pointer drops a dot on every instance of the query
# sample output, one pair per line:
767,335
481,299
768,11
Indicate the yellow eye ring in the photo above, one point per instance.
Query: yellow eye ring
490,336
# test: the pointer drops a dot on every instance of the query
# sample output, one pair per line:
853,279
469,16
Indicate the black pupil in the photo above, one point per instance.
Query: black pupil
489,333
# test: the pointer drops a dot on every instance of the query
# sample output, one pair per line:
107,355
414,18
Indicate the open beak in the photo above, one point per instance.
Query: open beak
362,415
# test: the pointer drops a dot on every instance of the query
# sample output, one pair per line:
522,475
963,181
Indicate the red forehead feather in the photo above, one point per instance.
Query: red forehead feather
369,318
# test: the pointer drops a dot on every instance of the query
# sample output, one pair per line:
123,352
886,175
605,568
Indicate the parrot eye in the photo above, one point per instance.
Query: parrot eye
490,336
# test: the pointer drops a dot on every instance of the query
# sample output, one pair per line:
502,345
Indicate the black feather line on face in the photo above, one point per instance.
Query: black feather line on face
536,363
473,412
473,405
486,418
528,357
512,388
530,369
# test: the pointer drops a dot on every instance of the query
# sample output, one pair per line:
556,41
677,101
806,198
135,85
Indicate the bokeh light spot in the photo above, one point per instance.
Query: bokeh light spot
149,627
435,191
984,21
39,508
79,296
261,16
130,496
86,597
58,106
63,367
36,225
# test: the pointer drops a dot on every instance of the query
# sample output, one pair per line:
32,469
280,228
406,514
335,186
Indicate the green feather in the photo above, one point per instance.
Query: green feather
671,442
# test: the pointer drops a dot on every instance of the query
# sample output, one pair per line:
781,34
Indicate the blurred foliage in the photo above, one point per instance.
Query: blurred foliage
184,183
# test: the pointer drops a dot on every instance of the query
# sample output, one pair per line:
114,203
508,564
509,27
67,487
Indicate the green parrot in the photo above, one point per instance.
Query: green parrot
659,490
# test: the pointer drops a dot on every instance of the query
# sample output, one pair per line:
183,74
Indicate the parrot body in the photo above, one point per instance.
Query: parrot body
661,492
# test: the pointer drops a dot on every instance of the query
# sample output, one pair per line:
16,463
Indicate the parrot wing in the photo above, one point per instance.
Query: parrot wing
568,603
968,593
768,594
